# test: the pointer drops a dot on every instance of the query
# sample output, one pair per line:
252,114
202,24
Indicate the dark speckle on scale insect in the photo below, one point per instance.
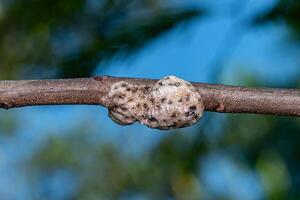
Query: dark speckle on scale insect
160,106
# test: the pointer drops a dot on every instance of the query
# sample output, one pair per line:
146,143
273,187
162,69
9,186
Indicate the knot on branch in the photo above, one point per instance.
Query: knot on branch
170,103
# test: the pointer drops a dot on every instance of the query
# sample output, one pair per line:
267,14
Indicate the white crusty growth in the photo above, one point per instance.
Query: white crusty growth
170,103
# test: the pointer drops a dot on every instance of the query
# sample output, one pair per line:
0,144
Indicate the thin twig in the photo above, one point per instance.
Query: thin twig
93,91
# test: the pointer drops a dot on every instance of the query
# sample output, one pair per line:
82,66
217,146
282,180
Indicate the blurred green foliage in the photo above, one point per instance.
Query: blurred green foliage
68,39
266,144
286,11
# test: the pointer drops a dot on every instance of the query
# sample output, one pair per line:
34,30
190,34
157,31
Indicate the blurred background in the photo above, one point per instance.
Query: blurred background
77,152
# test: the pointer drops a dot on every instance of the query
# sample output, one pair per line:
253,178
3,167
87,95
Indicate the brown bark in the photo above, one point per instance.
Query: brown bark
93,91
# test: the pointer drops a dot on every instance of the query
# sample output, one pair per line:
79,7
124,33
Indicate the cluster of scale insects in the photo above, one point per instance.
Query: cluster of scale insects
170,103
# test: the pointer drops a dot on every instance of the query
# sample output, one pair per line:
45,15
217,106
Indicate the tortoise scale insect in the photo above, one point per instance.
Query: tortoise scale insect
170,103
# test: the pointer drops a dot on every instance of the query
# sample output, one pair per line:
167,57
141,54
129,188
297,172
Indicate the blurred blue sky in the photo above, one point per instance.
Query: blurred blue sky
190,52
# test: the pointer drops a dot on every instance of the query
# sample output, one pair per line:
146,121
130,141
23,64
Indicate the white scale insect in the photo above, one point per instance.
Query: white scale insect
170,103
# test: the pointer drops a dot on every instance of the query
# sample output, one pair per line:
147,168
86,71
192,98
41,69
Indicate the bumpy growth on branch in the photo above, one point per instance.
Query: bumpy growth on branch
166,103
170,103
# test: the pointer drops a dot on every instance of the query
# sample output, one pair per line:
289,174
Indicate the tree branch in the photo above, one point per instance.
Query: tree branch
93,91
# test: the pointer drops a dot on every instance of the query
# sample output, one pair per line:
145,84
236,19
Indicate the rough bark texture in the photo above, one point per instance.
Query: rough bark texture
93,91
